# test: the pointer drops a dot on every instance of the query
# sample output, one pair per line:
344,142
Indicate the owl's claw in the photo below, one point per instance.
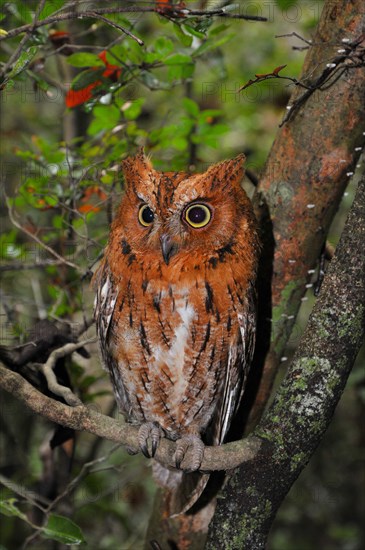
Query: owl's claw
152,431
195,445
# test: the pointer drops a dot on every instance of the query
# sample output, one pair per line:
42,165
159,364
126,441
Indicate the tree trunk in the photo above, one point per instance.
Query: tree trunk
305,402
307,171
302,185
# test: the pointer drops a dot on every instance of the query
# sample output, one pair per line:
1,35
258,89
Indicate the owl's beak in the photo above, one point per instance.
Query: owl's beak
168,247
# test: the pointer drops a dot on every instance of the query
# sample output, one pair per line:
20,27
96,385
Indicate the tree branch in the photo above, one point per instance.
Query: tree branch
95,14
82,418
310,163
37,240
306,400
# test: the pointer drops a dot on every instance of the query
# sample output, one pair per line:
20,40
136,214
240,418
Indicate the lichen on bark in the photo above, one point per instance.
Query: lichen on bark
305,401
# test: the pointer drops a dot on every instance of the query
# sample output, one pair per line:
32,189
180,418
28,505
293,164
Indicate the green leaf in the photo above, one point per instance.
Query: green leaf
132,109
109,114
63,530
154,83
191,107
85,78
8,508
106,117
23,61
193,31
180,66
185,39
180,143
85,59
212,44
218,29
50,7
163,46
209,113
57,221
178,59
128,51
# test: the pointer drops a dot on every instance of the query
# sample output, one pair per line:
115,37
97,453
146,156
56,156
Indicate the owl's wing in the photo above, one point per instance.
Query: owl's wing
107,292
240,355
104,304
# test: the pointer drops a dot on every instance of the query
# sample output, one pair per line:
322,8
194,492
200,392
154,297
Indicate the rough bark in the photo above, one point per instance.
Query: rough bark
305,402
306,173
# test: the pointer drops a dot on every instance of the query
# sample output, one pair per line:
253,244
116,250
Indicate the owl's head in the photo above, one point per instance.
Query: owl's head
173,216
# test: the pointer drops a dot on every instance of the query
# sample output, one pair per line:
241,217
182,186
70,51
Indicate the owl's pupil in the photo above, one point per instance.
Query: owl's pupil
197,215
147,215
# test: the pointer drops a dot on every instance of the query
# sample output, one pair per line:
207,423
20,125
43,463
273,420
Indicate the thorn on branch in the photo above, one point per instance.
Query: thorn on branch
350,56
273,74
300,48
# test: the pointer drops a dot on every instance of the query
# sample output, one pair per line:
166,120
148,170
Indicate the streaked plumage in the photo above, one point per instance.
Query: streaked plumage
175,304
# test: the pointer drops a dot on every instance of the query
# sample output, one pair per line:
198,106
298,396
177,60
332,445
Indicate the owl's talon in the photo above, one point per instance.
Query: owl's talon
195,446
152,431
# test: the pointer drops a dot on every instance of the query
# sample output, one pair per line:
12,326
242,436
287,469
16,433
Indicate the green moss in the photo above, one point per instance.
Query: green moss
351,324
288,306
297,460
251,524
252,491
321,329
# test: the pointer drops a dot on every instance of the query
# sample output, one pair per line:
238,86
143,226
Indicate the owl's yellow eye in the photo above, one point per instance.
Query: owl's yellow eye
145,215
198,215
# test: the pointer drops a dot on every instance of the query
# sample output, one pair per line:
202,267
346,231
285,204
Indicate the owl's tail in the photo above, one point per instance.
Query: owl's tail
182,489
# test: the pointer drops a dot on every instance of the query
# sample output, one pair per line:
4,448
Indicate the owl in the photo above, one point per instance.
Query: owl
175,309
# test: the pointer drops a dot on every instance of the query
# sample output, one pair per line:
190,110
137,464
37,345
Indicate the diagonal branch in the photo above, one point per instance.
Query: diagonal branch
309,166
305,402
43,245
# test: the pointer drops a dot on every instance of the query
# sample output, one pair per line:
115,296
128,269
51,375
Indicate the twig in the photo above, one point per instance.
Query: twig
37,240
34,498
119,27
288,35
86,468
340,63
133,9
273,74
47,369
13,58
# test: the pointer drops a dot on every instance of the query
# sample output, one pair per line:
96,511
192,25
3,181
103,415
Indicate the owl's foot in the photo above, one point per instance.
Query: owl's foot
193,445
149,431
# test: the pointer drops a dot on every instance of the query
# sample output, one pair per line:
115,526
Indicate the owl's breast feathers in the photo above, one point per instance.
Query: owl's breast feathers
178,343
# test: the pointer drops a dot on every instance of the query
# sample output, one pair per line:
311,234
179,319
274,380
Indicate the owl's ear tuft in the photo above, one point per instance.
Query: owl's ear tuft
228,171
138,166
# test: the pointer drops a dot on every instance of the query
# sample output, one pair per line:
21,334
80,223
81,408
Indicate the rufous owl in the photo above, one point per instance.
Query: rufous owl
175,308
